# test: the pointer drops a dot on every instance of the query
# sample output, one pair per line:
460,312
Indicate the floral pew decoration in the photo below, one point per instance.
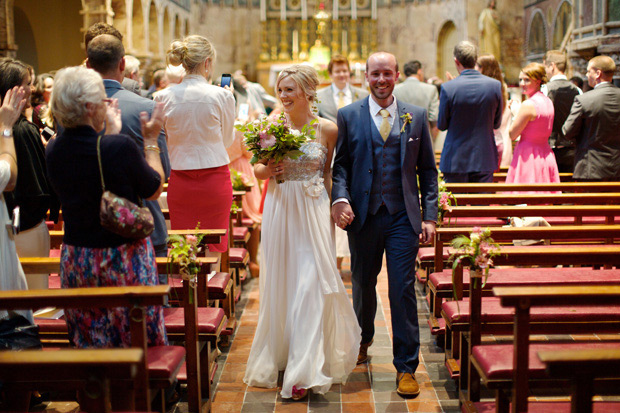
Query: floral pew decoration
184,250
445,201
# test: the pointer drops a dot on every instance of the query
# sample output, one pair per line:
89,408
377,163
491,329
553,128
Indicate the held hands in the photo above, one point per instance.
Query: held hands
152,127
342,214
113,118
12,107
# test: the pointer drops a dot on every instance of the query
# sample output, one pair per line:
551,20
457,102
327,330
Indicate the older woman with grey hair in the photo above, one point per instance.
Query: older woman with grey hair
91,256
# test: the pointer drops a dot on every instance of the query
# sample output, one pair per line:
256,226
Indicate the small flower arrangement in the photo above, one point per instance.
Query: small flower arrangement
237,179
445,201
407,118
274,139
184,251
477,250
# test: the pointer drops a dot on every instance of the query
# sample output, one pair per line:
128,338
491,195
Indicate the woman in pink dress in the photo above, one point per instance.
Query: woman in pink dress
533,160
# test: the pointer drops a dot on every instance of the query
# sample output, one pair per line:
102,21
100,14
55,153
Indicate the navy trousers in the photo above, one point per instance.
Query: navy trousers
394,235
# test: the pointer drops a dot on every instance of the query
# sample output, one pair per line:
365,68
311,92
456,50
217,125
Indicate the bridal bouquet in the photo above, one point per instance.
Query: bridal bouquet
274,139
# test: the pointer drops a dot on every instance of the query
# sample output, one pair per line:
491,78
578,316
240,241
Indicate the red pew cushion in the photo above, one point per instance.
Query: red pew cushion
547,407
209,319
238,254
239,233
164,361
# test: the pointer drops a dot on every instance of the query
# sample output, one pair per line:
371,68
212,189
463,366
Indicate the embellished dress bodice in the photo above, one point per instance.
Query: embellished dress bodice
307,168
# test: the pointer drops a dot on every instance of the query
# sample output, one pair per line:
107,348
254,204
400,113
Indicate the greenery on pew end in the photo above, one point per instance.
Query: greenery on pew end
239,182
445,201
477,251
184,251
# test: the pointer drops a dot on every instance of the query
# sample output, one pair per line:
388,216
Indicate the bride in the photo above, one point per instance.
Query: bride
306,325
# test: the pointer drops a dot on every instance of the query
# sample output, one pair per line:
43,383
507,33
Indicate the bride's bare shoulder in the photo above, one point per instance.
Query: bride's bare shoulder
327,126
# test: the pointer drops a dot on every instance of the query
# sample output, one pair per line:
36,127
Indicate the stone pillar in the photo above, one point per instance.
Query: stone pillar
7,29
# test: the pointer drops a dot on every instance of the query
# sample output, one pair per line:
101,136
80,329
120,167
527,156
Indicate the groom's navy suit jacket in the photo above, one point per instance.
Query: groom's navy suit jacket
353,167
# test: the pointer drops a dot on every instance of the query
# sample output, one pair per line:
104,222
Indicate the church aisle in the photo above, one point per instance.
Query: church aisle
371,387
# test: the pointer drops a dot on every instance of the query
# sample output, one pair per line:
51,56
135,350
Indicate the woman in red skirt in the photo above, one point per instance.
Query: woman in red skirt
199,120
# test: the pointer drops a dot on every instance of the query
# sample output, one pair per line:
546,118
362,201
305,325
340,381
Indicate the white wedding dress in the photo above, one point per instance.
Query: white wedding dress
306,326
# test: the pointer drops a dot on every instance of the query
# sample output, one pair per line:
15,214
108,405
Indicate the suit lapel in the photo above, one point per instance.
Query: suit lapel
366,124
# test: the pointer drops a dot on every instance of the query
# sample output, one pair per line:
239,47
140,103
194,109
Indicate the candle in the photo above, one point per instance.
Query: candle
282,10
373,9
354,9
295,43
335,12
358,70
304,10
263,10
345,46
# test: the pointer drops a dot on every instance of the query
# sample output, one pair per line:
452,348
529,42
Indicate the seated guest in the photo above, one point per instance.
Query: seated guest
199,127
92,256
41,98
533,160
33,193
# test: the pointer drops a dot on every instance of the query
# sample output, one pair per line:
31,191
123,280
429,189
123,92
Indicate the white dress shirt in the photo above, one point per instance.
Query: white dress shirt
376,116
348,99
199,120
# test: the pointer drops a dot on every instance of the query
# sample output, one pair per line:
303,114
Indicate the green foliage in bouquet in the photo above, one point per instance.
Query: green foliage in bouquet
238,183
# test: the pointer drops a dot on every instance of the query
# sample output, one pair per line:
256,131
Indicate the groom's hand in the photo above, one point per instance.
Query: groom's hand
428,232
342,214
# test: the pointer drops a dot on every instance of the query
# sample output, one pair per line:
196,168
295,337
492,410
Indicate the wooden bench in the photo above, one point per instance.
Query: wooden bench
91,372
512,368
200,341
159,364
501,176
461,188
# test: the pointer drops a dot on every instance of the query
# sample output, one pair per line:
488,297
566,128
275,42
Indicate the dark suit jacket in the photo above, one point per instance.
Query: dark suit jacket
562,93
131,105
328,108
352,175
594,122
470,107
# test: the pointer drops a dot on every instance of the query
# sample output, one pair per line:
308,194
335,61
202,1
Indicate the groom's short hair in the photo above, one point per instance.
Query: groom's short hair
395,60
465,52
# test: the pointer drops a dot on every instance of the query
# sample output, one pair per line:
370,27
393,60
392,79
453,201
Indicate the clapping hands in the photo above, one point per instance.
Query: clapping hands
12,107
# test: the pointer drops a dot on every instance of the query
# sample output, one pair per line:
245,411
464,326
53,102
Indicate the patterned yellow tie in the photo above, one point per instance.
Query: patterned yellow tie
384,130
340,99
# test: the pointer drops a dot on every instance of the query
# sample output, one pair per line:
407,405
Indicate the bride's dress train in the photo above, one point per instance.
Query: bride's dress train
306,327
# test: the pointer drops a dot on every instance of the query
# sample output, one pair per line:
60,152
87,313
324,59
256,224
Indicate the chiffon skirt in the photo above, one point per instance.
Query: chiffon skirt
201,196
306,327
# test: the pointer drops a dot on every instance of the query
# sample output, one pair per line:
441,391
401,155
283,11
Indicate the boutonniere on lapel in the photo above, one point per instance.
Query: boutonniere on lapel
407,118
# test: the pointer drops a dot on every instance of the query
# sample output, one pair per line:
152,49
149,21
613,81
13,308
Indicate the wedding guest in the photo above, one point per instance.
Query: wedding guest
489,66
199,120
533,160
92,256
33,193
40,100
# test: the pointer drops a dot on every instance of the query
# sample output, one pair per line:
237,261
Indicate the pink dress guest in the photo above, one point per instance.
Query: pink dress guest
240,162
533,160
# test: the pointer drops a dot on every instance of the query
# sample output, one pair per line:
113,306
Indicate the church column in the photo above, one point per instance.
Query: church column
7,29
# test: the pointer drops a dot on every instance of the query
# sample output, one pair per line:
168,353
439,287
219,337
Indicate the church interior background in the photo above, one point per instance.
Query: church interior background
262,36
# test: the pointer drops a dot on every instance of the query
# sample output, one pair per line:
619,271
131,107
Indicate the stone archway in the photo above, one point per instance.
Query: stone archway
447,39
152,32
139,42
168,30
536,36
562,25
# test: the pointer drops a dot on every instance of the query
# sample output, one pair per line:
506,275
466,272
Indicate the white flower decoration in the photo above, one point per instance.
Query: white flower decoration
314,186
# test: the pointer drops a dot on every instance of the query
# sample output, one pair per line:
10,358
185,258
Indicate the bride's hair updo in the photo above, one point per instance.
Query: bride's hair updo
190,52
306,78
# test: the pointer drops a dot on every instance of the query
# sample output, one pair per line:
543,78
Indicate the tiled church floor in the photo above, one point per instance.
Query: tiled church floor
371,387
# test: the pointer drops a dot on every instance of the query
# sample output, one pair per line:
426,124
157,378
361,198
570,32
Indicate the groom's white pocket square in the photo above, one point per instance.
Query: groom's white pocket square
413,139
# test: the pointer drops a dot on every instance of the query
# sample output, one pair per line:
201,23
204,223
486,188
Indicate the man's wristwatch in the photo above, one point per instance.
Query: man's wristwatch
7,133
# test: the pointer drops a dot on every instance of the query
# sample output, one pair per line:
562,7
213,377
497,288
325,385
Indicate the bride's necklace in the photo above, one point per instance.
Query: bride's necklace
290,122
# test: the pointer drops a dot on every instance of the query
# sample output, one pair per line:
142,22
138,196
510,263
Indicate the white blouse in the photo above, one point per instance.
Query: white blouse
199,120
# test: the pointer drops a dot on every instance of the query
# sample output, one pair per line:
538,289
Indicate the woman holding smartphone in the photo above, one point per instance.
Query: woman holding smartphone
199,120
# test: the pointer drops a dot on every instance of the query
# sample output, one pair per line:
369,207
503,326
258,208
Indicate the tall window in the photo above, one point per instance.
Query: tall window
537,43
562,22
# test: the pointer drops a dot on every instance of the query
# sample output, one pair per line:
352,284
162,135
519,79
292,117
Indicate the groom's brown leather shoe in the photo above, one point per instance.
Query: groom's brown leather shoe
362,357
407,385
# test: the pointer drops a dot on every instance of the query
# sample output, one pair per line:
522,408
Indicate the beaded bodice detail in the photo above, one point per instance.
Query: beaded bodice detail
308,165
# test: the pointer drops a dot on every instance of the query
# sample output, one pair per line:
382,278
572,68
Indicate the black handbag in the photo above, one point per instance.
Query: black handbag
17,333
121,216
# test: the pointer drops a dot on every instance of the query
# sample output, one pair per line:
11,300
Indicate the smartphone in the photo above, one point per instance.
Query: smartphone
226,80
47,133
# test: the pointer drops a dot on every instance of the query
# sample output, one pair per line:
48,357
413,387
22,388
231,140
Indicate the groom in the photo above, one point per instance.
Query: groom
382,145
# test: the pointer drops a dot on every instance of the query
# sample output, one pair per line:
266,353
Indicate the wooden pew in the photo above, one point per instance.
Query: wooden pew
520,356
87,369
582,367
137,298
462,188
591,198
199,327
501,176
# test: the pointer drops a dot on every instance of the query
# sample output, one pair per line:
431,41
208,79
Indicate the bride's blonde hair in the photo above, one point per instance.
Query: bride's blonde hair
305,77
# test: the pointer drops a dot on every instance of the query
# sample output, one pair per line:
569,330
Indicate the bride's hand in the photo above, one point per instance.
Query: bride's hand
276,168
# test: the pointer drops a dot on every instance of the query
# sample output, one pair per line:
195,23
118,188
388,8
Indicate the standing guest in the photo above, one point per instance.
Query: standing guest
340,93
416,91
132,73
160,82
252,93
40,100
384,148
489,66
470,108
104,28
92,256
594,123
32,194
562,94
199,120
106,57
306,324
577,81
533,160
330,100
